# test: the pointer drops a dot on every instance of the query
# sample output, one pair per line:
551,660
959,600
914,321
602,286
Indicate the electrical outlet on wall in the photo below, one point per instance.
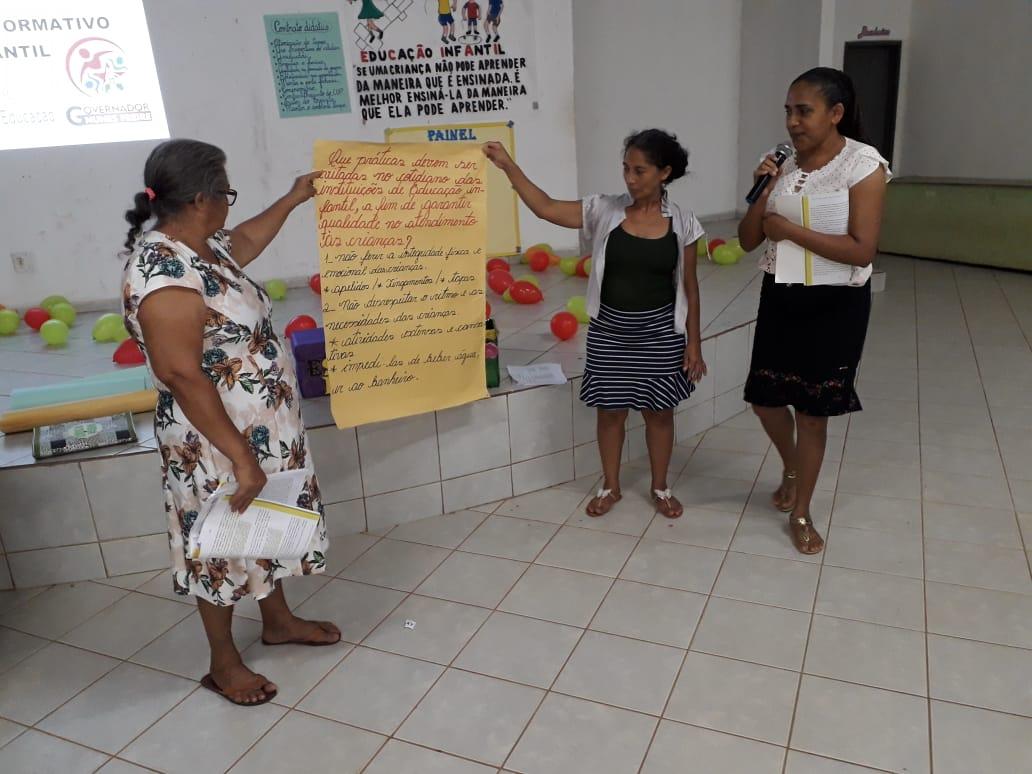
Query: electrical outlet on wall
23,262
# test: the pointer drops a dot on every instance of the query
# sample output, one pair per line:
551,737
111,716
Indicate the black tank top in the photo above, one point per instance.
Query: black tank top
639,272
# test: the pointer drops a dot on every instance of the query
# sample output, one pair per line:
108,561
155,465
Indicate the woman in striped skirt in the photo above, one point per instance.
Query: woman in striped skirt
644,349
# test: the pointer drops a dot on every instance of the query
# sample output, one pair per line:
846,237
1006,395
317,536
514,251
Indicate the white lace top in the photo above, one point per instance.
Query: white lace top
854,162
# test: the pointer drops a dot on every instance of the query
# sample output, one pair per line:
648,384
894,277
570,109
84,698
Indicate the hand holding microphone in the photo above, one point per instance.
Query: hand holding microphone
767,171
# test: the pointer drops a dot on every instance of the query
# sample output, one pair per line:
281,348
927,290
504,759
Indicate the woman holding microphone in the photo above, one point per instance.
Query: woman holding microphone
809,339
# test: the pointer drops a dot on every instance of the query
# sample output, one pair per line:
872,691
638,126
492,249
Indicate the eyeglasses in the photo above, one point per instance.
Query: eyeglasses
230,194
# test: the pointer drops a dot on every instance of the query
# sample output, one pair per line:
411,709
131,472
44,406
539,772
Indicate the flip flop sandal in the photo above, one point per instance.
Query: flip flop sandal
662,497
787,476
602,495
209,682
304,641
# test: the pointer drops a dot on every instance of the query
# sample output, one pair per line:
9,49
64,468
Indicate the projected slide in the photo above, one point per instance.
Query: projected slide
75,72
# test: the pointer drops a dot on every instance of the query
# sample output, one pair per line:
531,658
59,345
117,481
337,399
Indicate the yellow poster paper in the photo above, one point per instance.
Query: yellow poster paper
402,236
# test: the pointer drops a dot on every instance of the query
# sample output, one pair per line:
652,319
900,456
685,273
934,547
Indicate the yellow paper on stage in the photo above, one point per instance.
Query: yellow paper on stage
503,217
402,237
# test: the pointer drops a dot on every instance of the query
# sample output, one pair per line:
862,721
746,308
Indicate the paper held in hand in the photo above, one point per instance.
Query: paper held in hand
269,528
825,213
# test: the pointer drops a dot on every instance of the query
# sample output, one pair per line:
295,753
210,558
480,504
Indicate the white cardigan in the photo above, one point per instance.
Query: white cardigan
602,213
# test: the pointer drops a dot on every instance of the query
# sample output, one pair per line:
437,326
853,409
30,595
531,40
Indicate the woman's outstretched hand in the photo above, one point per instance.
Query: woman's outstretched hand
304,187
498,155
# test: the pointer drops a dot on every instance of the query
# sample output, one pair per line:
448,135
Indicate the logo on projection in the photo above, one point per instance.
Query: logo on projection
96,67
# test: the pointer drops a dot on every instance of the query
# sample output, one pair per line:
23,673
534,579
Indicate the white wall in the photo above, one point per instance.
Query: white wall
65,205
671,64
848,18
969,107
780,40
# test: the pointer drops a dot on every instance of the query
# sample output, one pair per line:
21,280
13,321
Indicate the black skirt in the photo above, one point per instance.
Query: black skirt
635,361
807,347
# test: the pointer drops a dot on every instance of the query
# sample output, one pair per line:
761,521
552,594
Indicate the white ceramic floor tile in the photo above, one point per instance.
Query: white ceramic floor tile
697,527
751,632
16,646
804,763
675,744
509,538
520,649
662,615
128,625
976,673
440,632
840,720
404,758
570,735
372,690
114,710
768,581
638,675
874,551
988,567
473,579
42,754
674,565
445,531
60,609
295,669
866,653
233,732
554,505
980,614
47,679
720,494
588,551
340,748
494,713
966,739
395,564
183,650
354,607
866,596
557,595
736,697
885,514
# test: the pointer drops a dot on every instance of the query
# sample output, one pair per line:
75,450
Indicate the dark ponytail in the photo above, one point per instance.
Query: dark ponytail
837,89
175,172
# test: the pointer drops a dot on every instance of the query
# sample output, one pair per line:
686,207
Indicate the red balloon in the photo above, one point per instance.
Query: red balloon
524,292
714,244
579,271
315,283
499,281
129,353
487,314
538,260
300,323
498,264
564,325
35,317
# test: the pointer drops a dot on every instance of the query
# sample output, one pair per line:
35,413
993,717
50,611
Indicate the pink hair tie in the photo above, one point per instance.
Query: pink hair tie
150,193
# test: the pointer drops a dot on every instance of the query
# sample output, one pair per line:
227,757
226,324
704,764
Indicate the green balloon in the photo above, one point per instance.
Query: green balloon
277,289
54,333
578,307
701,248
50,301
120,333
106,327
9,321
568,266
64,312
725,255
531,279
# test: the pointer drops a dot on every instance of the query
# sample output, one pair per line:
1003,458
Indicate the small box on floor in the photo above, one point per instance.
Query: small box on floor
310,361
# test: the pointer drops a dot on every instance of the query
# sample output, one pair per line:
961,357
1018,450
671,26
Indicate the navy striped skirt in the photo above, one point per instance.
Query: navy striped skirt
635,361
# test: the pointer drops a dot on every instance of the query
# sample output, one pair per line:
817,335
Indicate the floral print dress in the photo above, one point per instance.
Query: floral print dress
254,375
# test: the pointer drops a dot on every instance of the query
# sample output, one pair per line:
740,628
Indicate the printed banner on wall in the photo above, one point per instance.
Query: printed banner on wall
448,59
402,232
503,221
308,67
76,73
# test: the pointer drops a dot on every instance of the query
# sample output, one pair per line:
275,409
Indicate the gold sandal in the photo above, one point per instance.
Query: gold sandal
781,505
805,536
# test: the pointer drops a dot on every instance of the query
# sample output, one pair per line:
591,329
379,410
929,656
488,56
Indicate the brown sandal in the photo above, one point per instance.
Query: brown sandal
805,536
667,504
788,478
605,499
209,682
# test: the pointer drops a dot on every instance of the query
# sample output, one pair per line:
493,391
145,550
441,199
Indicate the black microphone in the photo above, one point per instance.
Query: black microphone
782,152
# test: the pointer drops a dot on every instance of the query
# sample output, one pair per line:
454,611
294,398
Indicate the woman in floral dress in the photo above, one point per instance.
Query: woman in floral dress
228,402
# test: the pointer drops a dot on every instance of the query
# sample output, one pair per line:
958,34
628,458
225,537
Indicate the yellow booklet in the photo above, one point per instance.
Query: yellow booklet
825,213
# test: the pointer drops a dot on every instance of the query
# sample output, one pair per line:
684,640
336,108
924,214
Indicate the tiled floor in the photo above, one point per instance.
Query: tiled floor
547,643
